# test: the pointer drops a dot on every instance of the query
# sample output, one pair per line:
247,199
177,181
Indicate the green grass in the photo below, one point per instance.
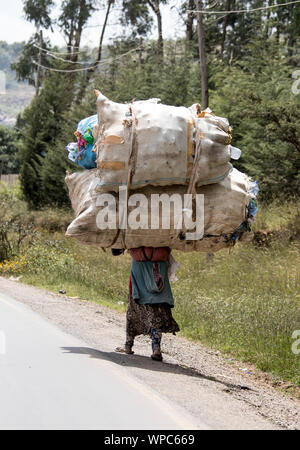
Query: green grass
277,216
244,302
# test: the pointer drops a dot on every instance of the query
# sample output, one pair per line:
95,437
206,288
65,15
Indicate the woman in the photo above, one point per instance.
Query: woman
150,299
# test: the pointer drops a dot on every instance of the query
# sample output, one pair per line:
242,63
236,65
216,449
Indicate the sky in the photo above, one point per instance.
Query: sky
14,27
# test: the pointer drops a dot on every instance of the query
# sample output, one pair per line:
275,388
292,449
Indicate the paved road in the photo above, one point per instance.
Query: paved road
45,383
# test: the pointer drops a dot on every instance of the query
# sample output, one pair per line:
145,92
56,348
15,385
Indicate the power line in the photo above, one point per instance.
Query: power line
101,25
62,53
82,63
109,60
54,55
49,53
204,11
52,69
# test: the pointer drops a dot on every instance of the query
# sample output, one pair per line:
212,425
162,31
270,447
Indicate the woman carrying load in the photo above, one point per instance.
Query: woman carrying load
150,298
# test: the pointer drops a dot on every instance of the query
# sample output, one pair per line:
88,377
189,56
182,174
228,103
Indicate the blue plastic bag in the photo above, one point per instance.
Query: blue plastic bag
89,122
81,152
84,158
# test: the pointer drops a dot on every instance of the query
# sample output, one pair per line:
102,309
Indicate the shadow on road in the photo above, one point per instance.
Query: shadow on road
143,362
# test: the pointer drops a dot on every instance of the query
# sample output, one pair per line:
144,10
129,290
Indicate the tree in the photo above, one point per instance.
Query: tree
85,80
287,22
53,171
25,69
238,29
8,151
38,11
42,120
255,94
137,13
74,16
155,6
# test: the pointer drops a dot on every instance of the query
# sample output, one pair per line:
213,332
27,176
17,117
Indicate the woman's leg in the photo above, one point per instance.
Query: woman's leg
156,341
129,340
128,344
130,329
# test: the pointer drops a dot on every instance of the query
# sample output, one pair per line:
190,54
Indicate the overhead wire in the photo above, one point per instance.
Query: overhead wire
107,61
242,11
54,55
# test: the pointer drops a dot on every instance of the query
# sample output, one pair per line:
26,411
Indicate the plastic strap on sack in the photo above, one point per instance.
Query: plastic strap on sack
190,147
131,171
193,179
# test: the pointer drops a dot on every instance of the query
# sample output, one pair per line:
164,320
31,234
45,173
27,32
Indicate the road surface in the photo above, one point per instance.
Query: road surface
48,381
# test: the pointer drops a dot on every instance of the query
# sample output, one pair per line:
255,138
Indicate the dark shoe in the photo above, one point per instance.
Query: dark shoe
126,349
157,356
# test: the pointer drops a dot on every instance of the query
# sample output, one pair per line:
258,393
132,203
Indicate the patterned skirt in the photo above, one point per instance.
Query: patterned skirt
141,318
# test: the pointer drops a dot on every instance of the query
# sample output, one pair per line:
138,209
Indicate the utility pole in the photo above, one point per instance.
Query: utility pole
202,55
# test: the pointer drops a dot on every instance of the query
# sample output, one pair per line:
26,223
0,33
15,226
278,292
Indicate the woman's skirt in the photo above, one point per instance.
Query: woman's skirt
141,318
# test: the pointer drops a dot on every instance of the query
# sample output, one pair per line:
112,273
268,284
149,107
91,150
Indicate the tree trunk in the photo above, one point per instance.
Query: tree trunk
202,56
39,69
225,23
267,22
79,30
190,22
160,41
89,73
109,4
140,52
70,42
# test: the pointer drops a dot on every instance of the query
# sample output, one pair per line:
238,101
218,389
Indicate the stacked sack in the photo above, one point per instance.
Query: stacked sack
152,148
164,149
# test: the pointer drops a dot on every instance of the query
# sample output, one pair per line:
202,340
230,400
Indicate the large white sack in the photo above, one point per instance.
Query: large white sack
225,208
165,144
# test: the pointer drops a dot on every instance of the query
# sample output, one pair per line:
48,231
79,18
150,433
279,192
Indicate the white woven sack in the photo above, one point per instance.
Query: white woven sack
164,144
225,208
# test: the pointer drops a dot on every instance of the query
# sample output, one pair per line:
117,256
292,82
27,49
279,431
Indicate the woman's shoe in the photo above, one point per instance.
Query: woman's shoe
126,349
157,356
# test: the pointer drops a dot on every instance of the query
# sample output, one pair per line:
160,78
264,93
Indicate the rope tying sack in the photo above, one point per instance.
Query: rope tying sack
193,179
132,159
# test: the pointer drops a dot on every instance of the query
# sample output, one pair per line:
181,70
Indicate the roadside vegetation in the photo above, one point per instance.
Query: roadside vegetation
244,301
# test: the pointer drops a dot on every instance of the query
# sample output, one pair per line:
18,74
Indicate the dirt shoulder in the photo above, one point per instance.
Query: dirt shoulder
198,380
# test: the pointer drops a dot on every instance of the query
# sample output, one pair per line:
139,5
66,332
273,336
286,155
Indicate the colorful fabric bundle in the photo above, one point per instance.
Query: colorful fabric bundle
82,152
